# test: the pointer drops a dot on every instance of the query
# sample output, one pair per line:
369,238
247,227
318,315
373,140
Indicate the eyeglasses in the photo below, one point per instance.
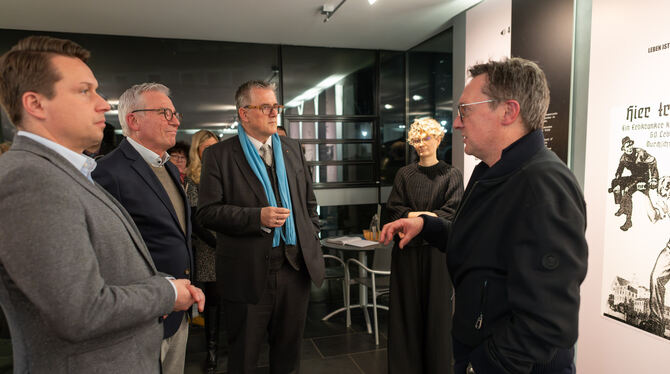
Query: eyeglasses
461,107
414,142
266,108
167,112
178,157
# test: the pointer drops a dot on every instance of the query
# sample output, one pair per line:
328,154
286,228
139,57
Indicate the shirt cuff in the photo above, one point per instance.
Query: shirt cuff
173,287
266,229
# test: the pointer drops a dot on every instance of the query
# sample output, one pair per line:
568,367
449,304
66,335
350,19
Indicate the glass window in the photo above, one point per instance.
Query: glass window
392,115
330,130
338,152
353,173
202,75
328,81
431,87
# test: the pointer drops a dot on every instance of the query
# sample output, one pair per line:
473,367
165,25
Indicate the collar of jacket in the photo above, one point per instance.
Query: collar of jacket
512,158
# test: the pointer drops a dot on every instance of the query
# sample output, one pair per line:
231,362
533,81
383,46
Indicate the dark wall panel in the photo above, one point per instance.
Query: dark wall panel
542,32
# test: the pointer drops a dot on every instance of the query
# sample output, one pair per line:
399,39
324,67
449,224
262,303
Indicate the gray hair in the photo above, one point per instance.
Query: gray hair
242,98
517,79
132,99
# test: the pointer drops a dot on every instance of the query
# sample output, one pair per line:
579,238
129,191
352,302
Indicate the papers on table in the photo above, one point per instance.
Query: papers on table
351,240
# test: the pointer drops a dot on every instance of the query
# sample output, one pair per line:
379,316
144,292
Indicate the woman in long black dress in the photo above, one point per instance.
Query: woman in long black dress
419,336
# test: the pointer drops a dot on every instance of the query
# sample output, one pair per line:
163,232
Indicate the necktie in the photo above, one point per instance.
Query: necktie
266,154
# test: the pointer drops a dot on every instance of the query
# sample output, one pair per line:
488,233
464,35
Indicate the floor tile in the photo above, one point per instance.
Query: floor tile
327,347
373,362
348,343
336,365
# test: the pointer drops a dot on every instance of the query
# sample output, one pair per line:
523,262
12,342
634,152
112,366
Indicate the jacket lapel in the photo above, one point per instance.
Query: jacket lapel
97,191
130,226
176,179
291,177
149,177
247,173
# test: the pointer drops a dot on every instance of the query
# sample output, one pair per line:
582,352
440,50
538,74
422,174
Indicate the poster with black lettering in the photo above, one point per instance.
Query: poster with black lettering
624,305
637,220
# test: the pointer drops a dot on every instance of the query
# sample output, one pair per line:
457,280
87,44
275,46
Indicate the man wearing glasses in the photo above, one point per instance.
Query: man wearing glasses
516,249
256,193
139,175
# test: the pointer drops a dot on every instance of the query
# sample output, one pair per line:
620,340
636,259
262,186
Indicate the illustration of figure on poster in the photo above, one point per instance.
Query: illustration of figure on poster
642,176
642,150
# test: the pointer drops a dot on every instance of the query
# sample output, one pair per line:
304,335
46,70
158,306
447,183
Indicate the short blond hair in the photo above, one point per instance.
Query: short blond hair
423,127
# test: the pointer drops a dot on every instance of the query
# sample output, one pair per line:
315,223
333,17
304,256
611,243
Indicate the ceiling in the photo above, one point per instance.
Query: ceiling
387,24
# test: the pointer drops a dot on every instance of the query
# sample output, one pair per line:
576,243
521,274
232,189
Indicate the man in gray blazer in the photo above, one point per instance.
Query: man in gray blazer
77,283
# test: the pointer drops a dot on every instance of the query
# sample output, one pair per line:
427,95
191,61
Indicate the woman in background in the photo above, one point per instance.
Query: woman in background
204,243
179,157
420,302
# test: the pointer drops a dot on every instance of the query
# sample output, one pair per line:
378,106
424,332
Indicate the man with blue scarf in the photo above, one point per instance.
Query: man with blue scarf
256,193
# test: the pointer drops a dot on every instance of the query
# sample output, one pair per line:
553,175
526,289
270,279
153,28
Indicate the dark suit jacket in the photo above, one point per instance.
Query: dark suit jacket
79,289
230,202
129,178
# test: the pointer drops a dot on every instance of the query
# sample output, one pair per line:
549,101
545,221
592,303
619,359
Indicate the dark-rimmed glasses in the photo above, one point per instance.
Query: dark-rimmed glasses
167,112
266,108
460,107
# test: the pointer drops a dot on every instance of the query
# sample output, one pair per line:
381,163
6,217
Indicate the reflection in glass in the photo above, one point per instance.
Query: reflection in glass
202,75
338,152
330,130
328,81
342,173
430,87
392,115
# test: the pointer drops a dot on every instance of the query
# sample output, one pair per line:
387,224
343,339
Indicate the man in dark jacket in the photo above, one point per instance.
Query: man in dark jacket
140,177
256,193
516,249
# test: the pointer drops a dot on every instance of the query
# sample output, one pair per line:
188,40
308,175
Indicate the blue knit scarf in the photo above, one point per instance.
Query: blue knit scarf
258,167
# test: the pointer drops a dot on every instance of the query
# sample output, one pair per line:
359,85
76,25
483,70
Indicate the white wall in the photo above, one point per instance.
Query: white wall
622,73
487,37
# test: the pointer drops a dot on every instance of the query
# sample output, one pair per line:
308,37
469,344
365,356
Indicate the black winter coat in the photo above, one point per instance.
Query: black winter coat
517,255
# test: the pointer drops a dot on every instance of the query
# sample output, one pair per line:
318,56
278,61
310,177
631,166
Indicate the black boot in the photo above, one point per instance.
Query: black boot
212,336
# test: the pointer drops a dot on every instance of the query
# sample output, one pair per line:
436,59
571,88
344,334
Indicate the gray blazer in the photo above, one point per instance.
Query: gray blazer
79,289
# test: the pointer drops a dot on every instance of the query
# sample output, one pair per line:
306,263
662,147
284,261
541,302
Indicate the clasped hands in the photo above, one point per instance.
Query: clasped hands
187,295
406,228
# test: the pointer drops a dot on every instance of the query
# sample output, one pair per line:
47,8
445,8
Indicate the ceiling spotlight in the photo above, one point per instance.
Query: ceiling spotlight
417,97
371,1
388,106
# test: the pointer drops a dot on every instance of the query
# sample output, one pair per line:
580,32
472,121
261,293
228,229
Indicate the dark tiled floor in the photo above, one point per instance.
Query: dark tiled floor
328,347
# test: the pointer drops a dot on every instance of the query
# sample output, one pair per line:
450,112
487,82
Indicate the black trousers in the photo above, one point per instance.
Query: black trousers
280,315
419,336
563,361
